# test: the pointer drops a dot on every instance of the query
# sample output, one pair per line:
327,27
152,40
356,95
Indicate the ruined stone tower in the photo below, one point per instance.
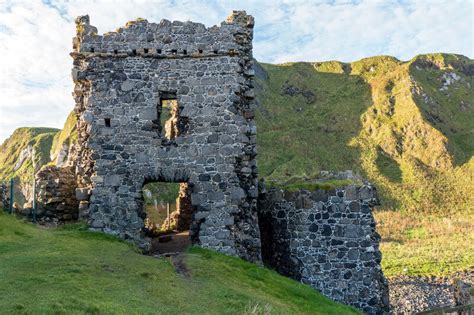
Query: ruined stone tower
122,81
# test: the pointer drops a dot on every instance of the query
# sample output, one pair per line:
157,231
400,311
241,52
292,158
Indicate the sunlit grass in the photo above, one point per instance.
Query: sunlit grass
71,270
425,244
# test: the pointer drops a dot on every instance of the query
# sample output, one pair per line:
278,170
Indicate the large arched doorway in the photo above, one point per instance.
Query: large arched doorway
169,217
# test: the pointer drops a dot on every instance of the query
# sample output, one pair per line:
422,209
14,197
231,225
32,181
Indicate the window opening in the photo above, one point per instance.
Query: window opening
107,122
168,113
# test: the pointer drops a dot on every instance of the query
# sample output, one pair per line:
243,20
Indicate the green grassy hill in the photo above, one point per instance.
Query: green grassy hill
74,271
16,157
400,124
64,139
408,127
46,143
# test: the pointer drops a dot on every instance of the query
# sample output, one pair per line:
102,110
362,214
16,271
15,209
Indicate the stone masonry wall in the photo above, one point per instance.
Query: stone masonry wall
4,198
327,240
120,78
55,193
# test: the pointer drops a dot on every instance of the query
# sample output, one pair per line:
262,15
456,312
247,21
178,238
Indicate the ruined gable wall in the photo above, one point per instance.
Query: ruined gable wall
327,240
119,77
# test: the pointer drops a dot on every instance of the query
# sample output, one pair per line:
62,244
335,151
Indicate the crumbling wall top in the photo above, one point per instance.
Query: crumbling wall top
165,39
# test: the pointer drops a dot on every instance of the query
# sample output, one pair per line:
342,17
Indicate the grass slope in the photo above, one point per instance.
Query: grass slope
385,119
406,126
40,139
425,245
73,271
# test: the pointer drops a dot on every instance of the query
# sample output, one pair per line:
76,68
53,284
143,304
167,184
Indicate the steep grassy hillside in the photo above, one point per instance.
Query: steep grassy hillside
16,157
49,145
73,271
64,139
407,126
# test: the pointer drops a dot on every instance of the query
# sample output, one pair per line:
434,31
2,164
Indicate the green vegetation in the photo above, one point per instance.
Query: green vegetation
163,194
297,139
312,185
425,245
38,138
71,270
385,119
406,126
161,191
66,137
24,140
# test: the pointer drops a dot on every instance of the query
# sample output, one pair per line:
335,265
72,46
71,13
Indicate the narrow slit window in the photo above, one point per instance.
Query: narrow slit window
168,113
215,51
107,122
115,51
185,52
200,51
134,52
145,50
174,51
92,50
159,51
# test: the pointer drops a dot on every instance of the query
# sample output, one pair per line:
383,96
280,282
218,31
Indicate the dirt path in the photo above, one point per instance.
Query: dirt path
170,243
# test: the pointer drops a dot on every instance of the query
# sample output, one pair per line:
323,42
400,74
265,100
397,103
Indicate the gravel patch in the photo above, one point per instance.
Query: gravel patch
413,294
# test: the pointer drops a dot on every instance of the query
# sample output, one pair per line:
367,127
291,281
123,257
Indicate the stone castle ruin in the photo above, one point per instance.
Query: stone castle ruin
173,102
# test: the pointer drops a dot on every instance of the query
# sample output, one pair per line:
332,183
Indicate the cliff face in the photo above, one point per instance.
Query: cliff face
407,126
17,154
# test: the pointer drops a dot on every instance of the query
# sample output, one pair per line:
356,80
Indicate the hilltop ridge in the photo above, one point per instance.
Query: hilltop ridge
406,126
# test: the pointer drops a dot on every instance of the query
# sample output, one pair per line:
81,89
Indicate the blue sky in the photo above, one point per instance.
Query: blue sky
36,37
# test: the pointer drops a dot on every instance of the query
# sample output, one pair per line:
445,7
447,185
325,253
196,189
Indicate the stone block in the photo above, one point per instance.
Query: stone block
82,194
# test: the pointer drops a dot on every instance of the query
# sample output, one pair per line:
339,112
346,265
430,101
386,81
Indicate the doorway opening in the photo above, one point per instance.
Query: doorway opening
169,216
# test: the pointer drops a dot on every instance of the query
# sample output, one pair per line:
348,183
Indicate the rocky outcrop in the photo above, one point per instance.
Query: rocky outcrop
25,154
292,90
326,239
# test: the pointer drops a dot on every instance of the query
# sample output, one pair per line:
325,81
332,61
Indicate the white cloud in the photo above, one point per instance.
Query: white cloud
35,39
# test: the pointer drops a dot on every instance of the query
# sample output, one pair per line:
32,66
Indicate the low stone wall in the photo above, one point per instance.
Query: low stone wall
326,239
55,187
4,199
